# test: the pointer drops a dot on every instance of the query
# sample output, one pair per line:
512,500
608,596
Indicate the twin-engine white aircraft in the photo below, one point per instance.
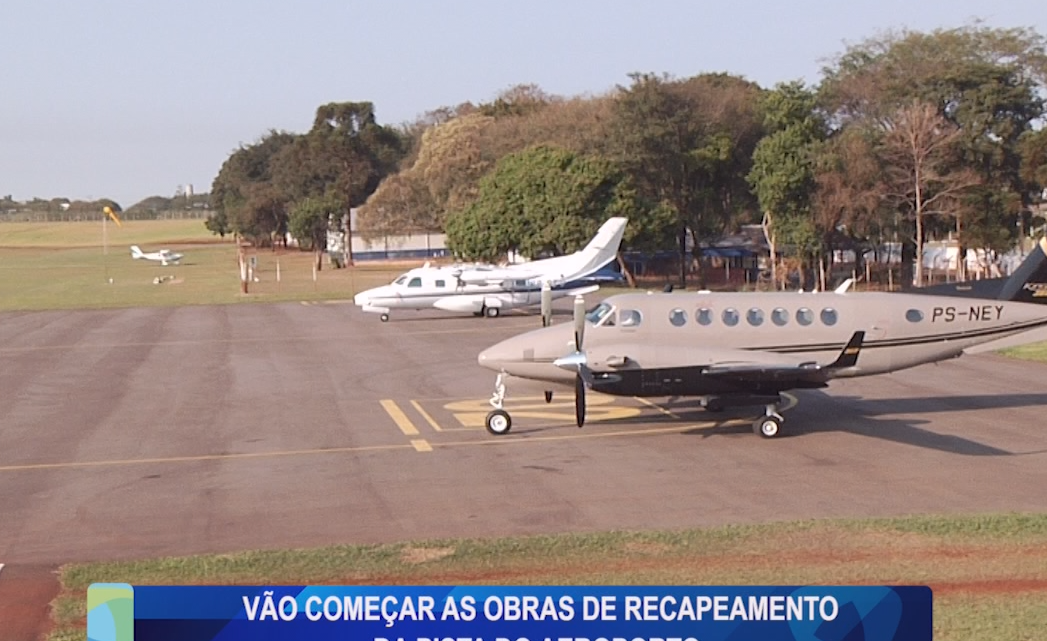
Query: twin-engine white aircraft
487,290
164,256
748,348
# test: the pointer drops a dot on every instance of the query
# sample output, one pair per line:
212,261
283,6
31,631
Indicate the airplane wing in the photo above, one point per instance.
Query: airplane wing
810,372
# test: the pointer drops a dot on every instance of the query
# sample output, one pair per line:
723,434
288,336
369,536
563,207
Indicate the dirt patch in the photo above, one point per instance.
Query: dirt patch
415,556
26,593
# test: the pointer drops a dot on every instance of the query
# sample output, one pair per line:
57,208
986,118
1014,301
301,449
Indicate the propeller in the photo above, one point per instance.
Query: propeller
577,361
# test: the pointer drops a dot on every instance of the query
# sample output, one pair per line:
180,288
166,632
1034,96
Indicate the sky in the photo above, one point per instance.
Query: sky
127,99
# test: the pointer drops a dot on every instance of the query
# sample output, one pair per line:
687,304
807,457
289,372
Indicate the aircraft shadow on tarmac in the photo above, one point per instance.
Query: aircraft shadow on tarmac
819,412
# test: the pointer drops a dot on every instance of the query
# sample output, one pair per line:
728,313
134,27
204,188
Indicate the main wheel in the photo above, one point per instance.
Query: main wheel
768,426
498,422
492,312
384,317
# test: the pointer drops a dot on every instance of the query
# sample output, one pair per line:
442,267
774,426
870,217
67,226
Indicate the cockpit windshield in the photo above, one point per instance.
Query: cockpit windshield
599,313
400,280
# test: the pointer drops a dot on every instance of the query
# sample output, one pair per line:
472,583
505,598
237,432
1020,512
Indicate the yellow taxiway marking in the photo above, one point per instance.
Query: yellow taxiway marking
600,407
200,458
428,419
657,407
421,445
398,416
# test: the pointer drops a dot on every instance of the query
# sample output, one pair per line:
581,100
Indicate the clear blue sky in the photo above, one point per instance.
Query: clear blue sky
128,98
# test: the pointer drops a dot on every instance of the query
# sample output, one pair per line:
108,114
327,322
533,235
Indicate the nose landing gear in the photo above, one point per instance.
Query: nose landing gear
498,421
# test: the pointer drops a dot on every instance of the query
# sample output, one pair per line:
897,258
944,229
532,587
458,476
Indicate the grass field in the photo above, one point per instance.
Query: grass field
989,573
89,234
1032,352
55,266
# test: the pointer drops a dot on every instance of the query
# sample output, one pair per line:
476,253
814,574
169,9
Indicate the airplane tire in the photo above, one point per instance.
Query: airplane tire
384,317
498,422
492,312
768,426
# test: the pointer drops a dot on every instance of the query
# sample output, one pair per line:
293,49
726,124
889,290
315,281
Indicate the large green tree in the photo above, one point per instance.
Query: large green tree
688,146
543,200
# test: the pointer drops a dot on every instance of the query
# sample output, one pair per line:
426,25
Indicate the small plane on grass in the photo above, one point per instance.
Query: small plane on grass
164,256
487,290
740,349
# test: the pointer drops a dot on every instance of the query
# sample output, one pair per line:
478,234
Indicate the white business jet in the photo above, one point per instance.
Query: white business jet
164,256
487,290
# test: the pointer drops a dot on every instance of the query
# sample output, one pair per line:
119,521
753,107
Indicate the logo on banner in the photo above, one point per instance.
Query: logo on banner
110,612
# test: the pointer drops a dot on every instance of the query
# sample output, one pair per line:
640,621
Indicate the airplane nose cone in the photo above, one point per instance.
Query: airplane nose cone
361,299
493,357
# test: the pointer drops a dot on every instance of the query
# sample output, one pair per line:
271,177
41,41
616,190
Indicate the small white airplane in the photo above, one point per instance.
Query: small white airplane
738,349
486,290
164,256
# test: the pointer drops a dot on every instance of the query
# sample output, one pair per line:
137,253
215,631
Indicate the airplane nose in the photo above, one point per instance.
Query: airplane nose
493,357
361,299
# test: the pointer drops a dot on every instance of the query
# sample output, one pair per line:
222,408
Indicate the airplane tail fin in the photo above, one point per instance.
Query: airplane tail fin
1028,283
136,252
601,250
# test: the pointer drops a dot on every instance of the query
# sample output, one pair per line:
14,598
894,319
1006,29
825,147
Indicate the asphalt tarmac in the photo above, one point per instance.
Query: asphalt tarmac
167,431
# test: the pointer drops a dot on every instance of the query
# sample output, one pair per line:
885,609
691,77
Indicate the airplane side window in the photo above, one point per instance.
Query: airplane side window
678,317
415,282
914,316
441,283
630,317
804,316
704,316
780,317
829,316
730,317
755,317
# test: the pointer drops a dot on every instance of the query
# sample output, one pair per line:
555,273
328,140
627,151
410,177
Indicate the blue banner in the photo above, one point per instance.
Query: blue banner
519,613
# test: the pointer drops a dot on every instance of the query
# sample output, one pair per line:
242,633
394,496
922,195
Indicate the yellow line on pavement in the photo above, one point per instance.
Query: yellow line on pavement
398,416
196,459
428,419
657,407
421,445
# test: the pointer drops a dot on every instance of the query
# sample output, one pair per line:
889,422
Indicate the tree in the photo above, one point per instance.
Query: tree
918,146
783,170
347,139
308,222
543,200
687,147
986,82
242,197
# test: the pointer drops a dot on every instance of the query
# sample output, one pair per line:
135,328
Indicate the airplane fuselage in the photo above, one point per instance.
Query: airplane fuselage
664,344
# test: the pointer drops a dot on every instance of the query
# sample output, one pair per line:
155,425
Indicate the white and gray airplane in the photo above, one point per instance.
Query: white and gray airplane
739,349
164,256
487,290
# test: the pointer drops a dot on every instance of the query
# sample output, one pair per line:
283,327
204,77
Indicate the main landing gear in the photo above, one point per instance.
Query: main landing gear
770,424
498,421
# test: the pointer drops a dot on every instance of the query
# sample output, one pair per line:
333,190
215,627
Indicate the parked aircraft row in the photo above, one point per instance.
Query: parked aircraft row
487,290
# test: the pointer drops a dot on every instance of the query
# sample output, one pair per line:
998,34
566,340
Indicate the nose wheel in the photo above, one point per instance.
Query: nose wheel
498,421
384,317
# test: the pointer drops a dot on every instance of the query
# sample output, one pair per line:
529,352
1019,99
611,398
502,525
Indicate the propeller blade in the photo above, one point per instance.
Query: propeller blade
579,322
547,304
579,401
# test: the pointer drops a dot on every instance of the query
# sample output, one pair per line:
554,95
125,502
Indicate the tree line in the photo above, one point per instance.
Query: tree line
907,136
